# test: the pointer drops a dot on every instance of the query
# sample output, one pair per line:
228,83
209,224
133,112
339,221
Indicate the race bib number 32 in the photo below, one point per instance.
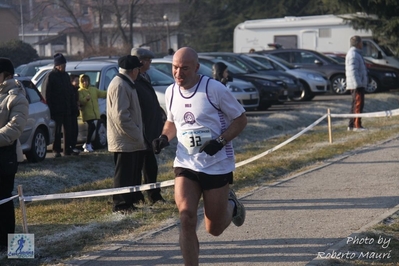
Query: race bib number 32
193,139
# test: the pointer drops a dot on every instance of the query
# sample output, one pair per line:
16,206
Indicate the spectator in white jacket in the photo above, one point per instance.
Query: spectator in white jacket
356,81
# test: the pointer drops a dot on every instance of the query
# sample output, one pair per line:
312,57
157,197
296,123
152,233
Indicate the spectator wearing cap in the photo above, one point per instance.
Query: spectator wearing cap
152,114
125,130
13,116
58,91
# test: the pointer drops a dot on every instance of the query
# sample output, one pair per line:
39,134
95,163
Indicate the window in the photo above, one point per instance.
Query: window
306,58
285,56
289,41
324,33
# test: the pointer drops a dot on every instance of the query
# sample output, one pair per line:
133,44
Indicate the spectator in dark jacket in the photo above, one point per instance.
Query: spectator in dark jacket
57,89
152,123
74,113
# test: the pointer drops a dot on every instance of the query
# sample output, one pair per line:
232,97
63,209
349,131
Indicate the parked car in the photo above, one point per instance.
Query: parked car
30,69
251,66
271,90
160,81
39,130
313,82
101,73
245,92
381,77
309,59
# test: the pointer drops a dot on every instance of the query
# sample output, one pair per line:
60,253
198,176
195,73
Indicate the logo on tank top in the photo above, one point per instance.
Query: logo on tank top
189,118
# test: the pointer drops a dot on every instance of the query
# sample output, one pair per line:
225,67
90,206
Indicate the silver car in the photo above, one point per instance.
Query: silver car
39,129
313,82
245,92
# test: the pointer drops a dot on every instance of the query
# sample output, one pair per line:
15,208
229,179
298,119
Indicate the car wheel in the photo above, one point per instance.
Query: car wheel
38,149
304,95
339,84
372,87
100,140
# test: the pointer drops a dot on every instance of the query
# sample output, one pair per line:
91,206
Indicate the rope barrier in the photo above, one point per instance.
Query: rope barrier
281,144
98,193
114,191
8,199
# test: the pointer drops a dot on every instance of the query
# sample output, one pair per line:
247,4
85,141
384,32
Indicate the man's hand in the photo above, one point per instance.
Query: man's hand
160,143
211,147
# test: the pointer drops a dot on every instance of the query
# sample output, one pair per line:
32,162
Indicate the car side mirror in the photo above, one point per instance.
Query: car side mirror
317,62
379,56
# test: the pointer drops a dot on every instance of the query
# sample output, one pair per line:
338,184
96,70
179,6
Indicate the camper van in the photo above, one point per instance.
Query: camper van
324,33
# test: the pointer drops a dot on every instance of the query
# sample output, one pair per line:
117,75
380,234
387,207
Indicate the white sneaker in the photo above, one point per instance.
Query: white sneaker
87,148
239,218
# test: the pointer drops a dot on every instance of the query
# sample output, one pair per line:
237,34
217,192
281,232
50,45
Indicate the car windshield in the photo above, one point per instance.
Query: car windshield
326,58
19,69
248,69
94,76
159,78
256,64
281,61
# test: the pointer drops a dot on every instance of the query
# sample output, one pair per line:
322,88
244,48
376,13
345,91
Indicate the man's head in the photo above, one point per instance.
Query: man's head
145,56
185,66
356,41
129,65
59,62
6,69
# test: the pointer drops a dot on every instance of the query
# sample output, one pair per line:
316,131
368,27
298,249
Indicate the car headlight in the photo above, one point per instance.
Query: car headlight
233,88
287,80
390,74
315,77
266,82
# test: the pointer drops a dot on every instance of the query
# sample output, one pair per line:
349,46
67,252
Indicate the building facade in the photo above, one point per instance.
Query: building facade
82,28
9,23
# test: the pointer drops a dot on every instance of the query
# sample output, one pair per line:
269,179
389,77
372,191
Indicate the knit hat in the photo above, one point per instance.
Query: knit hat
6,65
129,62
142,53
59,59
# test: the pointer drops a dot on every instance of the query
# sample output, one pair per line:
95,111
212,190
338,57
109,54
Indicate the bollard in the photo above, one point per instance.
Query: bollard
23,209
329,126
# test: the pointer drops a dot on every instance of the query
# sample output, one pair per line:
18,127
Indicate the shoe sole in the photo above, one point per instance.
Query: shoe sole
239,218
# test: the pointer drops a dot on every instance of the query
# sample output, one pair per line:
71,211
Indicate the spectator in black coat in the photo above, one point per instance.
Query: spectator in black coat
152,114
57,89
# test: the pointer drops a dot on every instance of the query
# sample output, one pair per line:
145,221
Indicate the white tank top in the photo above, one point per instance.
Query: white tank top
202,113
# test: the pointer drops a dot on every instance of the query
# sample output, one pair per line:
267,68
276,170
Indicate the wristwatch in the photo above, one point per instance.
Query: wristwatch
221,140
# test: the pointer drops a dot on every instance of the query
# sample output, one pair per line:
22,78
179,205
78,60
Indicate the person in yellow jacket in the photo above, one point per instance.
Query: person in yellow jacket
90,111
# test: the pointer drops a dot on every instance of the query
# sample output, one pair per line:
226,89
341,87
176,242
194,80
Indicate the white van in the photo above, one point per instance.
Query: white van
324,33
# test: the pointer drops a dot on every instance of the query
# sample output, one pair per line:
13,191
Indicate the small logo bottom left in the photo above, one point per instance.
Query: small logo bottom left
21,246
